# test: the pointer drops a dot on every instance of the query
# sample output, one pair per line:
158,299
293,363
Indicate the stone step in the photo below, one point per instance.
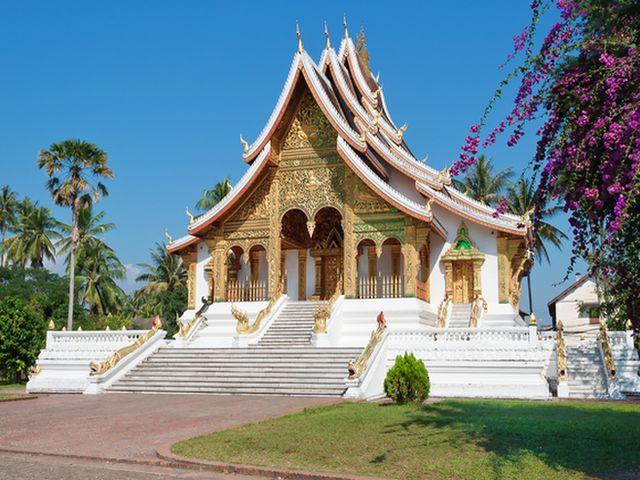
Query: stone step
337,373
303,392
234,381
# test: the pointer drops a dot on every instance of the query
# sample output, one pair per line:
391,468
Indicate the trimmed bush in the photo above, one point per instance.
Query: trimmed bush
407,380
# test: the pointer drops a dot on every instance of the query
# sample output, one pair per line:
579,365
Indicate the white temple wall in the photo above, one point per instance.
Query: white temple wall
202,257
244,274
263,266
363,263
291,267
486,241
385,263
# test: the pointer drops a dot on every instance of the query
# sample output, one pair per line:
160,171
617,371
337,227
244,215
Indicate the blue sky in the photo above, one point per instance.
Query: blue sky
166,87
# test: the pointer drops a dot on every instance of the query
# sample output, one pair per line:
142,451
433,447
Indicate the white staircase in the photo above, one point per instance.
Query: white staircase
292,327
585,371
460,315
283,362
300,371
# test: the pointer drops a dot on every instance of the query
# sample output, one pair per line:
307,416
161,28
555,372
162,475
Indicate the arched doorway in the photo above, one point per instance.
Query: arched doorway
246,274
391,269
367,269
327,239
462,265
296,241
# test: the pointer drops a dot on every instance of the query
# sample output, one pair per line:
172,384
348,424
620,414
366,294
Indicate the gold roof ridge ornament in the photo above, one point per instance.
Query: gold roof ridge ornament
344,25
189,215
427,206
326,36
444,176
245,144
299,36
401,131
168,237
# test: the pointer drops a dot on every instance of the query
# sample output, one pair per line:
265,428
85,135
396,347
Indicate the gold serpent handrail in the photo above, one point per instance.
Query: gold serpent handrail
185,328
562,352
323,312
98,368
609,364
442,311
243,327
357,366
478,305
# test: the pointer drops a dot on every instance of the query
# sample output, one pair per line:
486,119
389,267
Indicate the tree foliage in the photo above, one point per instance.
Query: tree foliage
211,197
22,333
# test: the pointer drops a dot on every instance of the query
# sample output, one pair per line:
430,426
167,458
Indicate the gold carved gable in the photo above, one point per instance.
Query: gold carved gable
257,205
310,189
367,201
309,127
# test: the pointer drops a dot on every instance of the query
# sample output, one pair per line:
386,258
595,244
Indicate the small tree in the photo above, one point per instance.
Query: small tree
22,333
407,380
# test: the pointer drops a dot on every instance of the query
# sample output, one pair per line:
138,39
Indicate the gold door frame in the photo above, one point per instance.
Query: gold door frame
463,249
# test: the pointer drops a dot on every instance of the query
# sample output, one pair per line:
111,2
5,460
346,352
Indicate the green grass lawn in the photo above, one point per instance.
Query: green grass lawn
452,439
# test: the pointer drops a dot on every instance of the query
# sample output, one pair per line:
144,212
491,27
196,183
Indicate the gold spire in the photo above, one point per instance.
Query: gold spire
299,35
190,215
168,237
52,325
326,35
344,24
245,144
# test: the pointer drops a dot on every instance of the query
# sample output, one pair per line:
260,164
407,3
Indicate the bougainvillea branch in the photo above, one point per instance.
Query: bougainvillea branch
583,81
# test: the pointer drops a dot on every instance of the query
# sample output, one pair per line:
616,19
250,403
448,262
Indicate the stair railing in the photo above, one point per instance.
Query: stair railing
185,328
478,307
443,309
243,327
323,312
98,368
358,366
561,353
609,363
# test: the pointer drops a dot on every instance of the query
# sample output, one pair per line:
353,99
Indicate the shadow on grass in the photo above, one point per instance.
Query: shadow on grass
595,439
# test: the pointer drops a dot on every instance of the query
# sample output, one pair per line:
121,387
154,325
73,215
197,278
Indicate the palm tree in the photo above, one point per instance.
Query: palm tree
90,227
210,198
521,198
98,269
482,184
35,231
165,272
75,169
8,207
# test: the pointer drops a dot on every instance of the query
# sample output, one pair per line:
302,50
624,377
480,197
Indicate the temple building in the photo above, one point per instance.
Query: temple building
335,252
333,198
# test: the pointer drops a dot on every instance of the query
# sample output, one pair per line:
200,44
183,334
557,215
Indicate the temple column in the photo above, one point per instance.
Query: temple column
410,255
503,268
477,277
191,285
350,261
274,253
317,292
210,279
302,274
448,278
218,252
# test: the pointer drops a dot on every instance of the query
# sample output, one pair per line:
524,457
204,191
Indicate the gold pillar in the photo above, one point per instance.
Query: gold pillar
302,274
317,292
448,278
210,278
410,255
283,272
191,285
274,252
503,269
477,277
350,262
218,252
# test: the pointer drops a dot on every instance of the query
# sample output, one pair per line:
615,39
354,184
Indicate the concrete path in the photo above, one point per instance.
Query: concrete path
130,426
29,467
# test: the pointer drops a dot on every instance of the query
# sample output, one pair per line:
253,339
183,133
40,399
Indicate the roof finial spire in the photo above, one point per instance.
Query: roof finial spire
245,144
326,35
300,48
344,24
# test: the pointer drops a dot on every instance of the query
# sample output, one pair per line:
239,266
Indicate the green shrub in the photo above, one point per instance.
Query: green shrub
407,380
22,335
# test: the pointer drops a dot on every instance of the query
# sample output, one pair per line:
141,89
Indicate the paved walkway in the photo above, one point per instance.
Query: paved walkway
130,426
26,467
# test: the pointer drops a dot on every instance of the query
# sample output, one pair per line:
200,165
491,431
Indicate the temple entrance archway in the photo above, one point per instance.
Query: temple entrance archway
295,241
462,265
327,239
